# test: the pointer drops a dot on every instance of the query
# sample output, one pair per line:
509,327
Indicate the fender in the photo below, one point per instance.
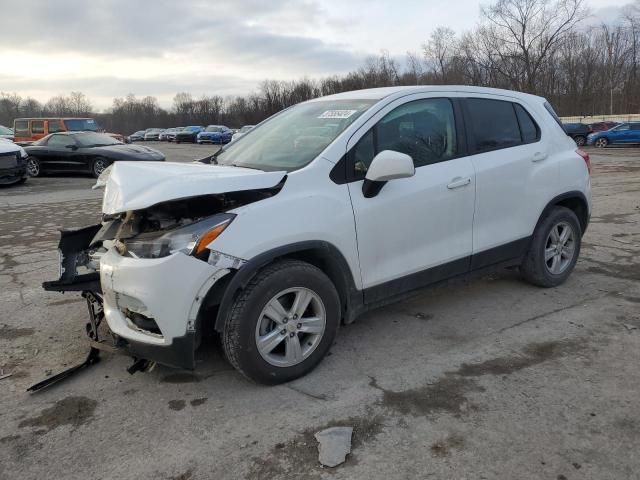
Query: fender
575,194
320,253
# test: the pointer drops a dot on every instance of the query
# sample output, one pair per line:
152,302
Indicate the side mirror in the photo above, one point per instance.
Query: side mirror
385,166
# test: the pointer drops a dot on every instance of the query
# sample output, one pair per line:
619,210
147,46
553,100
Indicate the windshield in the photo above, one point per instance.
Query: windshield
190,129
95,140
294,137
81,124
214,129
5,131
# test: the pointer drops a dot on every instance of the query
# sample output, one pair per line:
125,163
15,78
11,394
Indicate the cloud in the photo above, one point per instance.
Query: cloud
118,46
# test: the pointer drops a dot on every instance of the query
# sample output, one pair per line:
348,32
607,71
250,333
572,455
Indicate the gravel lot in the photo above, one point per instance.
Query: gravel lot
484,378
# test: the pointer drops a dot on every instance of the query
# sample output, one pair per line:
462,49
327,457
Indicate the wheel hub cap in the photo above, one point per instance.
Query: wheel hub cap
559,248
290,327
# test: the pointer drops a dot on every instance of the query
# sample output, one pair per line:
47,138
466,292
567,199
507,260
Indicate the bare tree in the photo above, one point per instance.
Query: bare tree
440,51
524,34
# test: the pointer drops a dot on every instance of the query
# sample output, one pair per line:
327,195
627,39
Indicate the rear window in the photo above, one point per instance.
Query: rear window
21,127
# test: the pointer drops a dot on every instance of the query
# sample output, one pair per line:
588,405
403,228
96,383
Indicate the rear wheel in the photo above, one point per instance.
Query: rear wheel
601,142
554,249
580,140
283,323
33,167
99,165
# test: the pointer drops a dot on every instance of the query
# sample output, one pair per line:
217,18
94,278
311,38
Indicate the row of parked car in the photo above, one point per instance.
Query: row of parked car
601,134
218,134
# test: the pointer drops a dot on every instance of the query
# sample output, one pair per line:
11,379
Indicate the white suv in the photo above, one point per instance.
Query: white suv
328,209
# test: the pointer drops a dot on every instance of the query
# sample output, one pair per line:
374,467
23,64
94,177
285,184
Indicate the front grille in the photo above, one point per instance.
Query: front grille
10,159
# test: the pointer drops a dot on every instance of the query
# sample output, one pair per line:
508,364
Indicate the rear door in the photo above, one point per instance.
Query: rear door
506,152
415,230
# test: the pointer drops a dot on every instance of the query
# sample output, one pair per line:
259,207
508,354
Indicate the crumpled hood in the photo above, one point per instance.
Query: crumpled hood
137,185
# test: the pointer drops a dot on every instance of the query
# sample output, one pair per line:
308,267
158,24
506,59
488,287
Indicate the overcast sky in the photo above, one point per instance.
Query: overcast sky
114,47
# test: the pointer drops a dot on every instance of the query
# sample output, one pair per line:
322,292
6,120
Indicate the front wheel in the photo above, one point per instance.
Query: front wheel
33,167
601,142
283,323
98,166
554,249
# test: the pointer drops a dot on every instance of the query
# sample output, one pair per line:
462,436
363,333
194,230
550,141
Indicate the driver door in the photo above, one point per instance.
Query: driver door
63,154
416,230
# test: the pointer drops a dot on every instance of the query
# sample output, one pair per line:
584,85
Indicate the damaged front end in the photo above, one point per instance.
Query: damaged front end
150,274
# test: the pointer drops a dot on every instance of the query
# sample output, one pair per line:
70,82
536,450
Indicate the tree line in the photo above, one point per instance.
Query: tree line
551,48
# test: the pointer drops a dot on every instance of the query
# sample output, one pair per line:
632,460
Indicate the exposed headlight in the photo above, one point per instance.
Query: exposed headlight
192,239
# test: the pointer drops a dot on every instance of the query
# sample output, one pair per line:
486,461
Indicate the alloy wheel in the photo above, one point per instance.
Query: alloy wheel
99,166
559,248
33,167
601,142
290,327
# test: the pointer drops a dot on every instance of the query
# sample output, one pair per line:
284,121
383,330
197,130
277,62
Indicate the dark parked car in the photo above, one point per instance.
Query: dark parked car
189,134
13,163
623,133
82,152
603,126
577,131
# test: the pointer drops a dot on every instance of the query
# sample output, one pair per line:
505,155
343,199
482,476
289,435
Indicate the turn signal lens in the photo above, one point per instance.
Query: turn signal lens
209,237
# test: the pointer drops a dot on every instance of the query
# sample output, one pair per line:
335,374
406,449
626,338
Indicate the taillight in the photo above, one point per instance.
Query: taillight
585,157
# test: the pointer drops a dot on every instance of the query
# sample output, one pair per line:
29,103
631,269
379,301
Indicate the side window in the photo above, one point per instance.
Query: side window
37,126
60,141
54,126
423,129
493,123
635,126
21,127
528,128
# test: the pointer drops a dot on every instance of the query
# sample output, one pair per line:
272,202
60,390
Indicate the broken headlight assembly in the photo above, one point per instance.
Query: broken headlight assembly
191,239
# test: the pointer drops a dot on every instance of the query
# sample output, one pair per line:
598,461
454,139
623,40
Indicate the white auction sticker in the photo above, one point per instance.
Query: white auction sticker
337,114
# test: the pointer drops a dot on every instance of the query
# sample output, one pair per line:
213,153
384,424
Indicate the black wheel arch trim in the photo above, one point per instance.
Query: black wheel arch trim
335,265
574,194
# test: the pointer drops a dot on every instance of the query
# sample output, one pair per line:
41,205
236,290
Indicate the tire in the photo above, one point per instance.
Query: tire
98,166
548,261
601,142
283,281
580,140
34,169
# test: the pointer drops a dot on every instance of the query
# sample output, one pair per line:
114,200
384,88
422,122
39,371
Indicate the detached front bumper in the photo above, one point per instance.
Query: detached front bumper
150,306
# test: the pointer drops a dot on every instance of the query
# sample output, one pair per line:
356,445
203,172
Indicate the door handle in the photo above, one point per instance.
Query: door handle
459,182
539,156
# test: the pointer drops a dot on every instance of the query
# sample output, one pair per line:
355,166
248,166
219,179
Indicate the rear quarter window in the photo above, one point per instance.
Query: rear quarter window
555,116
